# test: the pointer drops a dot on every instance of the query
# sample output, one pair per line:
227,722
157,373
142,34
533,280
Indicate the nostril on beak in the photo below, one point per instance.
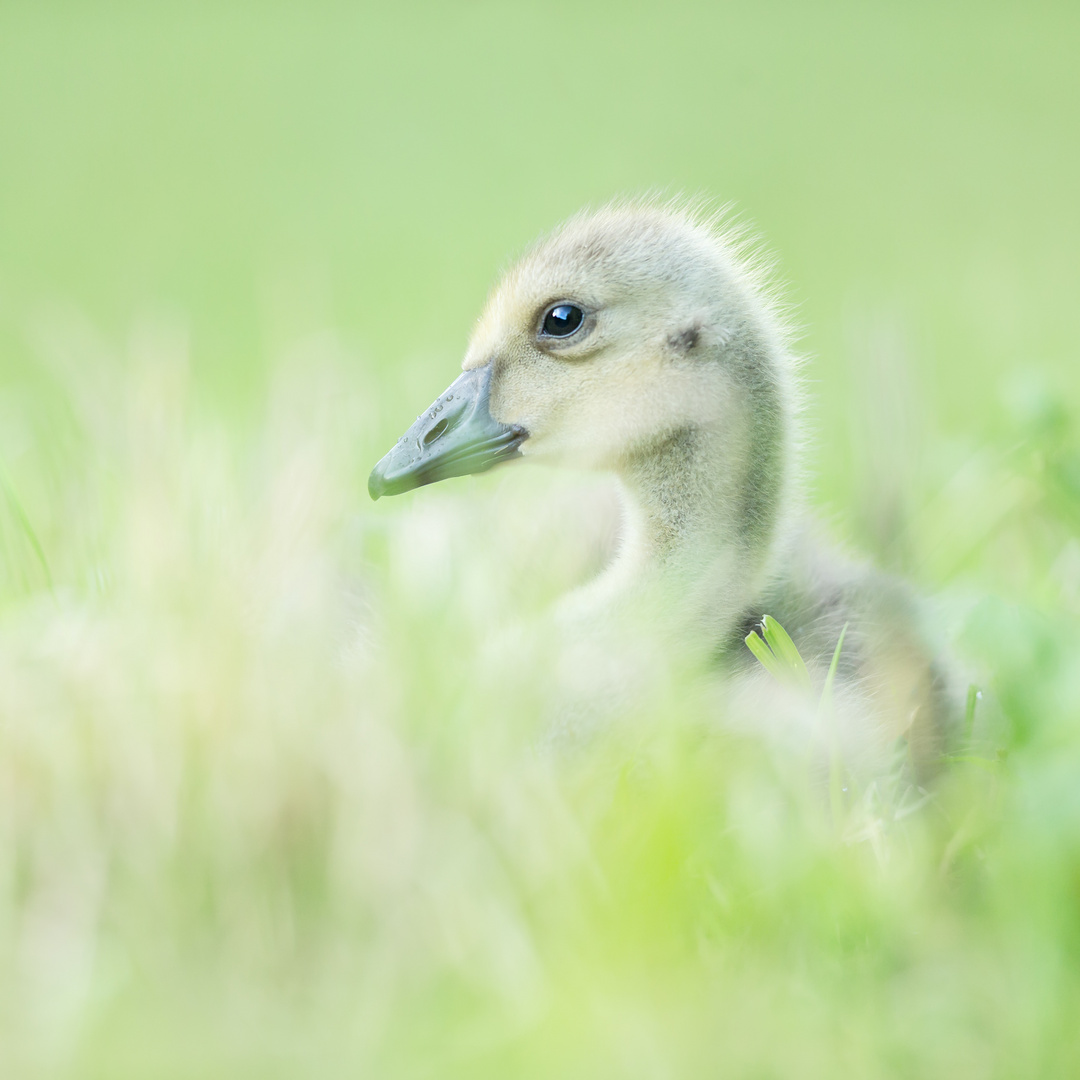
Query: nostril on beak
431,435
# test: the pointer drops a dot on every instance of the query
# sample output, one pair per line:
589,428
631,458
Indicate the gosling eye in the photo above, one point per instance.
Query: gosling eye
561,320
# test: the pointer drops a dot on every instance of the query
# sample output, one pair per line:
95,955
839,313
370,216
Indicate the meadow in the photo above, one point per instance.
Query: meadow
267,806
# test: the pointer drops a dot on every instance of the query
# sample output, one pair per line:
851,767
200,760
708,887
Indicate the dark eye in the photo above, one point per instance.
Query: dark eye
562,320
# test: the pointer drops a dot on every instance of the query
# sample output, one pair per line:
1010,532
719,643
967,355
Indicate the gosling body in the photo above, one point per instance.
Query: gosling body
643,341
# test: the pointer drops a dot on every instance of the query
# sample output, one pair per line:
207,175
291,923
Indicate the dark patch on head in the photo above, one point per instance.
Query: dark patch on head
685,340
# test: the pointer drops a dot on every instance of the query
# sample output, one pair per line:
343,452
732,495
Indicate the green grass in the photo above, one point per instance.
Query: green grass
271,798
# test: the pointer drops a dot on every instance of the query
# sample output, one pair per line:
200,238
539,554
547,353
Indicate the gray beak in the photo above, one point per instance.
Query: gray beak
454,437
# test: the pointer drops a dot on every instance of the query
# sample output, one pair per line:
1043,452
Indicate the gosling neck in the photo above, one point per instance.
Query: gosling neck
702,510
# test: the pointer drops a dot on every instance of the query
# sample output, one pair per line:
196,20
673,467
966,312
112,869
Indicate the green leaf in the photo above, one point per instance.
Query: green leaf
836,764
758,647
969,711
784,650
826,693
777,654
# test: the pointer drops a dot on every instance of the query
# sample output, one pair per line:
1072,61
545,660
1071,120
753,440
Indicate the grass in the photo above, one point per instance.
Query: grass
272,801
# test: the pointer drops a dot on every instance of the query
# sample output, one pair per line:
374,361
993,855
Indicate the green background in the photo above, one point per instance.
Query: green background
264,807
261,168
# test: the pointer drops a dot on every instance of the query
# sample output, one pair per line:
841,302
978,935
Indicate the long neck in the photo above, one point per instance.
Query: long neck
704,509
680,501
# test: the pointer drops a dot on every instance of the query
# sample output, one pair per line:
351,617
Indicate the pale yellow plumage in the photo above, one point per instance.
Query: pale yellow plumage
681,381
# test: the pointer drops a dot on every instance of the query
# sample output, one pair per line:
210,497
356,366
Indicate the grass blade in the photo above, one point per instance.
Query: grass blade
836,765
826,693
969,712
27,528
785,651
765,656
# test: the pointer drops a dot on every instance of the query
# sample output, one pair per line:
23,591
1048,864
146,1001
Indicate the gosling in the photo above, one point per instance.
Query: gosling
640,341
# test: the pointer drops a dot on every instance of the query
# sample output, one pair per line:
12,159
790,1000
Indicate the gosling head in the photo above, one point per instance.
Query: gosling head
623,330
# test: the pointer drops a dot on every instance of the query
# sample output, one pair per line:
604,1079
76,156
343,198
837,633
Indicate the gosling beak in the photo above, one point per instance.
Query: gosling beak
455,436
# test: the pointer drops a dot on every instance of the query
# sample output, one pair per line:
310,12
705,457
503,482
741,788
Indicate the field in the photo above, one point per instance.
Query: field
272,798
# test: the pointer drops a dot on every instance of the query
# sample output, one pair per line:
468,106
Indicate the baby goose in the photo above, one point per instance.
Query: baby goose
635,340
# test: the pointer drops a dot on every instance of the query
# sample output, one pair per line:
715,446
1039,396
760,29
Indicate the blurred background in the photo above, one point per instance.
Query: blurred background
254,819
257,174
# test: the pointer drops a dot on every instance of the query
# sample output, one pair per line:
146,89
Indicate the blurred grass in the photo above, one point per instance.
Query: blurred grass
267,806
